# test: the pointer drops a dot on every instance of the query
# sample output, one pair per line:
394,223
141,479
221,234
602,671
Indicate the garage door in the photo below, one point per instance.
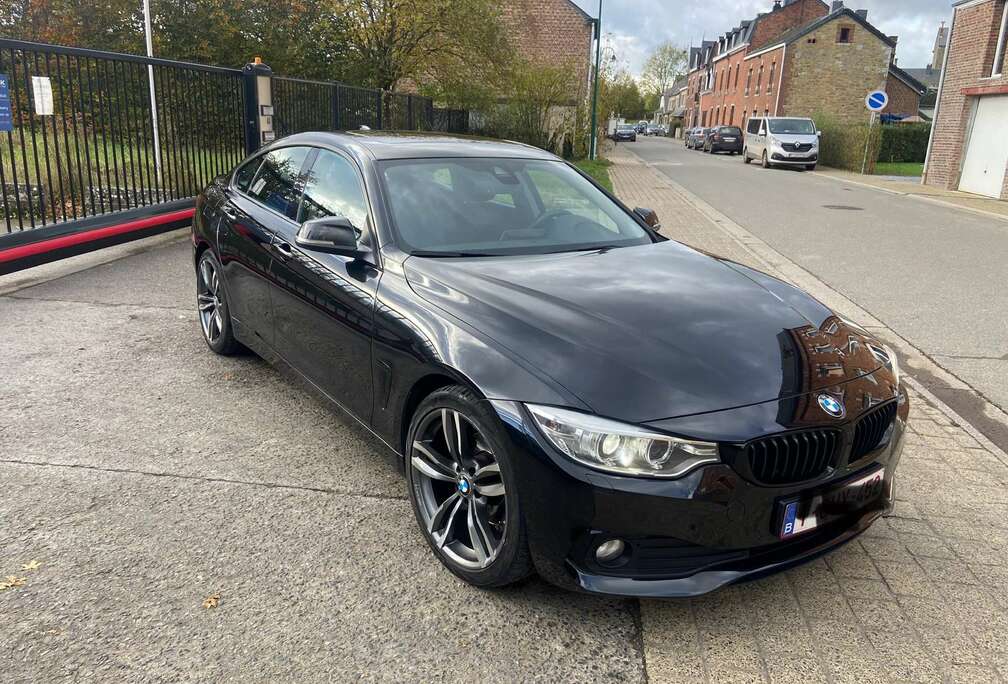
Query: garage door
987,151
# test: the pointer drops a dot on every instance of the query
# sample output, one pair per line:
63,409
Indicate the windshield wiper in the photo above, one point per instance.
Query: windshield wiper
435,254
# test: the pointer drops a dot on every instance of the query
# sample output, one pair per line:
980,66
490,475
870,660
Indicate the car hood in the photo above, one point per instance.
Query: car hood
651,332
803,139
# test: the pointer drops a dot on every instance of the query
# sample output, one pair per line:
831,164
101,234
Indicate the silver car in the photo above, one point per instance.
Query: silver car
782,140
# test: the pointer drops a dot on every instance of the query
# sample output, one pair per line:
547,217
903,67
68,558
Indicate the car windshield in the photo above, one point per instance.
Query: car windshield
623,127
792,126
492,207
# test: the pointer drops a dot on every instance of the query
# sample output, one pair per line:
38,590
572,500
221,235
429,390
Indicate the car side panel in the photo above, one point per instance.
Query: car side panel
414,339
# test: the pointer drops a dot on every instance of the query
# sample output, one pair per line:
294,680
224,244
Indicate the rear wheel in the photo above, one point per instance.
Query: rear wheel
464,489
212,306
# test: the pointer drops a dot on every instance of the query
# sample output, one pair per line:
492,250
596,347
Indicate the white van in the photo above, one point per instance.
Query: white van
782,140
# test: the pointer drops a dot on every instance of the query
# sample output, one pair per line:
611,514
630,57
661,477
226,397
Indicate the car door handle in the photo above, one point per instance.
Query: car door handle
229,215
283,248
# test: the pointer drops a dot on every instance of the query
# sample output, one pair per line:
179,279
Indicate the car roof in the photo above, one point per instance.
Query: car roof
416,145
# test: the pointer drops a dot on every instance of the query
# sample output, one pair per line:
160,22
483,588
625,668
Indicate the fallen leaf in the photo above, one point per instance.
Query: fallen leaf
211,601
11,582
32,565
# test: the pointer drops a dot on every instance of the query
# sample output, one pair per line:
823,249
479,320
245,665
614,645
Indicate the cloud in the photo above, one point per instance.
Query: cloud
637,26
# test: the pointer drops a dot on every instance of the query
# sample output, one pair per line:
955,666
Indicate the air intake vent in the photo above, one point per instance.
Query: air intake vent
871,429
792,457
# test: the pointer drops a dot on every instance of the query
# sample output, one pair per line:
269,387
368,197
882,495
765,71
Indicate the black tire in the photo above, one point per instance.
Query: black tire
215,323
513,561
745,157
766,161
810,167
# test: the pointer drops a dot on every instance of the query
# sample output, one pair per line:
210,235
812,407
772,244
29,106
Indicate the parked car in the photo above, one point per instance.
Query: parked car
642,127
698,138
785,141
655,130
724,139
446,293
687,137
625,132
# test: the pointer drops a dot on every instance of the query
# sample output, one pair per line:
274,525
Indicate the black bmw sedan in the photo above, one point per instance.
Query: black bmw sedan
568,392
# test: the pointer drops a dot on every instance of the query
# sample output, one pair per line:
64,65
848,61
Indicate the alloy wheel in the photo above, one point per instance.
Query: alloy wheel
208,299
459,488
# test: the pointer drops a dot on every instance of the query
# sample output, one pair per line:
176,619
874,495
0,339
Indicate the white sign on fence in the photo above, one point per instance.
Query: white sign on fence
42,90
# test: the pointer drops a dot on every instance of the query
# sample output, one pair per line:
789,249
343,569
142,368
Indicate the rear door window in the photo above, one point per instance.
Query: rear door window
278,182
246,172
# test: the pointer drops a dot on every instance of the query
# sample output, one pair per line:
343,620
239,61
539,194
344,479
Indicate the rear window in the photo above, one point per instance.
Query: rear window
730,130
624,127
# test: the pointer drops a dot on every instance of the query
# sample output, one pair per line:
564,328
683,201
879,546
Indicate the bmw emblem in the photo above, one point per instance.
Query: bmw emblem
463,486
831,406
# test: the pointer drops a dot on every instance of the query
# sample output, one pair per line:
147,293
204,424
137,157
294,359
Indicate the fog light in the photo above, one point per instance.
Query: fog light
610,551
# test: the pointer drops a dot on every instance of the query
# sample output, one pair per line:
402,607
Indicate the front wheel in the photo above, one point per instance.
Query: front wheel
464,489
810,167
766,162
745,157
212,307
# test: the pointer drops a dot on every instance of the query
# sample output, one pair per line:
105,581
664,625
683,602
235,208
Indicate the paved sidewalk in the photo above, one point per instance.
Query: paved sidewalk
922,596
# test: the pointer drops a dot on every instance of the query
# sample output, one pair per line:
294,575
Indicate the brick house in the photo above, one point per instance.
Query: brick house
801,58
904,92
969,141
554,32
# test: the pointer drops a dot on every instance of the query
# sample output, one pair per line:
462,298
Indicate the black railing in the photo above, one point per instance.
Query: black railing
98,145
90,148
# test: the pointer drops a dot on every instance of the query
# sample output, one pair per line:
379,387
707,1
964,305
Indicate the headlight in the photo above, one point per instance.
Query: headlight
618,447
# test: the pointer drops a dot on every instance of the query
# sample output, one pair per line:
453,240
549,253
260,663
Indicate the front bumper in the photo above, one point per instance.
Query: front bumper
684,537
779,156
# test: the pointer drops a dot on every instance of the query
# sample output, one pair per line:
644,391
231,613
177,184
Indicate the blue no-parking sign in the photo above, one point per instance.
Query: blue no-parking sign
877,100
6,119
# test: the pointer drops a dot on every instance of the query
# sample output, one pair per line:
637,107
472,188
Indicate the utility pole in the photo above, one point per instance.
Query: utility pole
593,152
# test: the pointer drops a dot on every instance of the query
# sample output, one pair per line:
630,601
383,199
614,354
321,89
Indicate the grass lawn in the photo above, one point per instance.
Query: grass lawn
598,169
899,169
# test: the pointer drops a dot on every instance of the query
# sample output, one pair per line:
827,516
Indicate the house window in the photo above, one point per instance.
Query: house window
738,68
759,79
773,70
1000,58
748,82
732,119
845,34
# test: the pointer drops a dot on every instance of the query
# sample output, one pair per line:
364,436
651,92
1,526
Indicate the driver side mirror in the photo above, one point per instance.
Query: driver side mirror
818,134
332,235
649,217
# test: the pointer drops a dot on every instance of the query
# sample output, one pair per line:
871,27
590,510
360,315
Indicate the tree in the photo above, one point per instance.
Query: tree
389,42
665,64
620,97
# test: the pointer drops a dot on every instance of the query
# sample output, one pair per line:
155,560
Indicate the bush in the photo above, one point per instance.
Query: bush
904,142
843,143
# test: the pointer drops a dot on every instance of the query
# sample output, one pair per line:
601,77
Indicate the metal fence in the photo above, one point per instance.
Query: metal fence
79,137
80,141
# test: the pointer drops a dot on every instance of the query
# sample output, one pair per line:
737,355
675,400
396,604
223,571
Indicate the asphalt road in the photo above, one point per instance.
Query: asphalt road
935,275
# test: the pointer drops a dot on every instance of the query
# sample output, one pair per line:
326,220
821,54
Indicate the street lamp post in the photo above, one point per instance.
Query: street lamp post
593,152
153,96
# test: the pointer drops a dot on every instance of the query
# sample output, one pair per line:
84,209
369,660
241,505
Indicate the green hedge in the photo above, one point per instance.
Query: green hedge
904,142
842,145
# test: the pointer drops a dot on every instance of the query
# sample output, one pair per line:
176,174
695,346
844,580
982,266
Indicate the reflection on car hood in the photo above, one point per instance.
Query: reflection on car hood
651,332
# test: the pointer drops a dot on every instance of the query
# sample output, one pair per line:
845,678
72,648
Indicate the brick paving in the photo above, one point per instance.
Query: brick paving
921,597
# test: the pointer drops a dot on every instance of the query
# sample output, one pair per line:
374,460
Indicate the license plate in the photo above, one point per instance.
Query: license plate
729,139
805,515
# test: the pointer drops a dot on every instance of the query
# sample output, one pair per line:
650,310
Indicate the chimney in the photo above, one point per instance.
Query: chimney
776,6
862,13
837,6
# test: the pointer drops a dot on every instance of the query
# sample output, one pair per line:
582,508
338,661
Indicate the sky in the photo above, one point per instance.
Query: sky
634,27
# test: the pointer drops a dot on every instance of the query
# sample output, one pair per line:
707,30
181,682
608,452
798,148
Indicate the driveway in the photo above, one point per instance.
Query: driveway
140,476
933,274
